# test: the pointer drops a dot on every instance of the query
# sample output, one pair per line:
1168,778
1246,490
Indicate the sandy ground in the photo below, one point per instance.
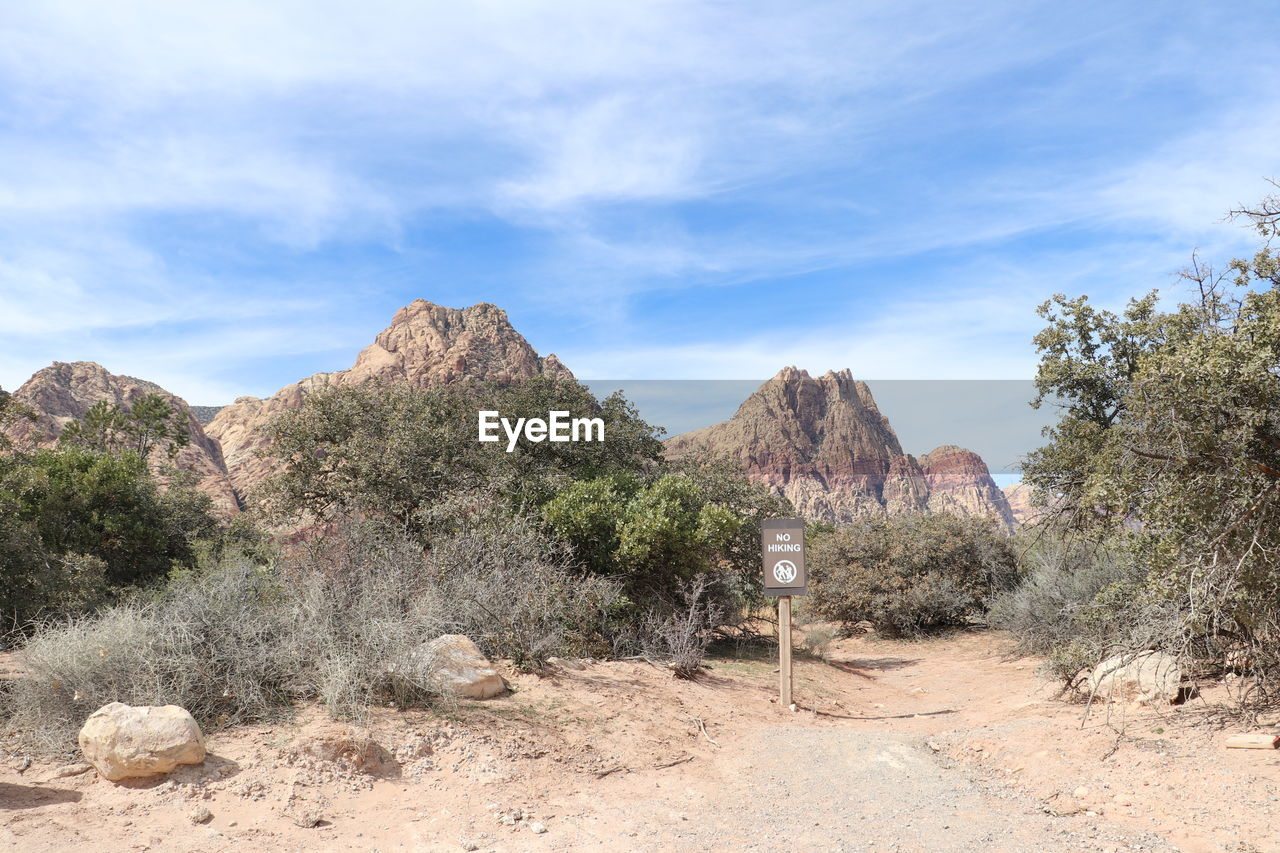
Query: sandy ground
944,745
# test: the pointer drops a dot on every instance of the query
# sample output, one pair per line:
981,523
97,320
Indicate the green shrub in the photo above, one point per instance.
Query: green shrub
909,574
74,520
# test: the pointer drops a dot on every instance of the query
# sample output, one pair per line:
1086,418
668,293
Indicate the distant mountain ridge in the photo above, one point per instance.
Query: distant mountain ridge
204,414
825,445
425,345
822,442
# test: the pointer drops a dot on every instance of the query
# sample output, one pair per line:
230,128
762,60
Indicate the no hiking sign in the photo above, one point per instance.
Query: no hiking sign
782,552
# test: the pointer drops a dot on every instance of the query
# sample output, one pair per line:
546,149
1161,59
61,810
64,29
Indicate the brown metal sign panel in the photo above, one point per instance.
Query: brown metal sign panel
782,552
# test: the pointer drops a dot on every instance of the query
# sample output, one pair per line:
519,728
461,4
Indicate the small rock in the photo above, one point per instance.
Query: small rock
345,746
452,662
1080,793
537,828
468,844
71,770
200,815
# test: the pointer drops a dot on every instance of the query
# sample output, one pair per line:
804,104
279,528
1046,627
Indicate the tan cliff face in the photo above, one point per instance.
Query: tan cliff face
426,345
825,445
1027,506
63,392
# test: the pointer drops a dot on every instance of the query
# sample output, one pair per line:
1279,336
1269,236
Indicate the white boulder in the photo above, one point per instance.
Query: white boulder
459,668
122,741
1148,677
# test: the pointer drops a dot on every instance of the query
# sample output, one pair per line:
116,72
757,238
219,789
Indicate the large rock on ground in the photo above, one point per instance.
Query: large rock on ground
1149,677
459,668
122,741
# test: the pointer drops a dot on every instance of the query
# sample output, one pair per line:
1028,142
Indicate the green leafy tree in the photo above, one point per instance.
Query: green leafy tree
150,423
661,534
1171,426
75,523
396,452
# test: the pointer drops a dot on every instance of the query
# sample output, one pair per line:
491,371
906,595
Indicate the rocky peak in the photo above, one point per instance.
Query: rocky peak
825,445
425,345
65,391
428,344
959,481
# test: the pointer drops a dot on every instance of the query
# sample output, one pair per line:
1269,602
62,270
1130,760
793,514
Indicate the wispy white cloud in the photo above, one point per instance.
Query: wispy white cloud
642,147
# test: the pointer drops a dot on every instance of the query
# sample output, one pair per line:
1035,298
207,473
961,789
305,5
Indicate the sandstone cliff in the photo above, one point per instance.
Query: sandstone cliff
62,392
960,482
825,445
426,345
1020,497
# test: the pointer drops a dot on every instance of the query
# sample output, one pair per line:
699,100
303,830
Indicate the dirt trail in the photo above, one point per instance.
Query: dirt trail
948,745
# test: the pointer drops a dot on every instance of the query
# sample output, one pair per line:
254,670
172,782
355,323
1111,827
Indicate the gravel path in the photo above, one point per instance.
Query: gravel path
836,789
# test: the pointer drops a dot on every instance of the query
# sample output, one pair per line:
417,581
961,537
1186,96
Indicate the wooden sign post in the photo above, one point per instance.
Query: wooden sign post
782,555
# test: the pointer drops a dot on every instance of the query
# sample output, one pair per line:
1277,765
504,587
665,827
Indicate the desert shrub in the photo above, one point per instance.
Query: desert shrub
909,574
1169,426
818,638
1079,603
659,533
681,635
356,601
66,513
516,592
210,643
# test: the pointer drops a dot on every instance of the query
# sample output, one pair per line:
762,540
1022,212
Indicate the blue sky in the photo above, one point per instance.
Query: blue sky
223,198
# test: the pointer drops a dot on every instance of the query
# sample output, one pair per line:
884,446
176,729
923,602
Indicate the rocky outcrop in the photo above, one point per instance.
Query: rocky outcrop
825,445
63,392
959,482
122,741
426,345
1025,505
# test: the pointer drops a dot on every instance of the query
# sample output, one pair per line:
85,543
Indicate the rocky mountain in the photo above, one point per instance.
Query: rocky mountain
63,392
204,414
426,345
825,445
1024,510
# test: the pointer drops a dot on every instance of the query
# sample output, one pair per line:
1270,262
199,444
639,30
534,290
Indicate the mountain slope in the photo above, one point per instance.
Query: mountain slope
63,392
426,345
825,445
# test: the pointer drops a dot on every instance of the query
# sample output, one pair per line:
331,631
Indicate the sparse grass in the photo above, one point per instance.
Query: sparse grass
344,621
210,644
